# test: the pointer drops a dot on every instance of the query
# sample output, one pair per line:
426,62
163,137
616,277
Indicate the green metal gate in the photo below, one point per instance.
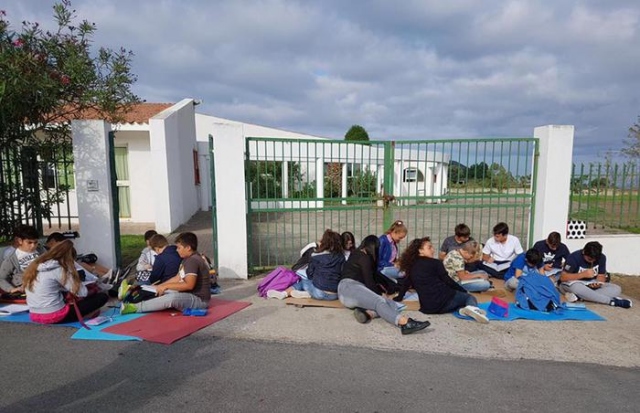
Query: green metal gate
298,188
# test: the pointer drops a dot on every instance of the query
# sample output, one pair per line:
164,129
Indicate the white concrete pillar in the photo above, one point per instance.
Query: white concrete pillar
228,155
93,189
553,181
344,184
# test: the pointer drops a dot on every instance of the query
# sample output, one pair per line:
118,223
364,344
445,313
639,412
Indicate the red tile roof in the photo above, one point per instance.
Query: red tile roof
140,113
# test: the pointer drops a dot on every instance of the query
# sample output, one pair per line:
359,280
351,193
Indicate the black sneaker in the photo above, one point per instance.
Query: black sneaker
412,326
621,302
361,315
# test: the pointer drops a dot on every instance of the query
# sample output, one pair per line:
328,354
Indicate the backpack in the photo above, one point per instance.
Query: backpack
279,279
537,292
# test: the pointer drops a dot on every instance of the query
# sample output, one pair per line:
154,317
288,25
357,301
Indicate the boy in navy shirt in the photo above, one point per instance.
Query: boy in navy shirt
553,252
585,275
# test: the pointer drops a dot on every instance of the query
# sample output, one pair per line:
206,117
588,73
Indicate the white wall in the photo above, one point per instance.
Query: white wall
141,174
173,139
231,201
95,207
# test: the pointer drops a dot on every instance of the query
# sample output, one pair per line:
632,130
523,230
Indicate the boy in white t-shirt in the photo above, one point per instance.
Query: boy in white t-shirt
499,251
13,267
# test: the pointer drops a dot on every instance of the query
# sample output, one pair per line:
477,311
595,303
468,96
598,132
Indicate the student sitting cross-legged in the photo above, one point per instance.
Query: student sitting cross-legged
190,288
585,275
13,267
525,263
323,273
455,263
167,260
437,292
554,253
499,251
46,281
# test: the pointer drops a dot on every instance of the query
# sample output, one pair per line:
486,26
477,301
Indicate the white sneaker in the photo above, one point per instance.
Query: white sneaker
299,294
475,313
570,297
280,295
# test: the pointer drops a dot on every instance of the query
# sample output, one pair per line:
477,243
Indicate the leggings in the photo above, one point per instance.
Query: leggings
353,293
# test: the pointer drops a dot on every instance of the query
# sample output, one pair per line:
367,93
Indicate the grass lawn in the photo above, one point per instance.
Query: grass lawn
130,248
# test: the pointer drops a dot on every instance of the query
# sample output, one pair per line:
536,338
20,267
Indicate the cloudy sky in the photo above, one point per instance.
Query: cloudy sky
412,69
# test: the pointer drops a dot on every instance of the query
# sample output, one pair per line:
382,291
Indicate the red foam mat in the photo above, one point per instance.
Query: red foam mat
162,327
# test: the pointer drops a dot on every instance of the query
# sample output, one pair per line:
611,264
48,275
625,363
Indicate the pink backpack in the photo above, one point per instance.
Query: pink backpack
279,279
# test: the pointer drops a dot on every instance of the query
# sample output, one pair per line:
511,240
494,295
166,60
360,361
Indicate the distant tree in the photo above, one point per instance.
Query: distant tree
632,149
479,171
356,133
501,178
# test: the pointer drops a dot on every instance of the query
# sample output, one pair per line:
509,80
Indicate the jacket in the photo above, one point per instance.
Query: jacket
11,270
325,270
384,252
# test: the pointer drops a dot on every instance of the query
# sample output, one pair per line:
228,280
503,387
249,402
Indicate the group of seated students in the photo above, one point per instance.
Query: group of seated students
374,277
54,282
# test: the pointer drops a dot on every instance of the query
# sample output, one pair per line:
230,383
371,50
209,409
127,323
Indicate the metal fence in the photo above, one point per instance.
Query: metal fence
34,187
606,196
298,188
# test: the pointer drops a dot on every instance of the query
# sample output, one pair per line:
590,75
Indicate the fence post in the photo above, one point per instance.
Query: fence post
553,180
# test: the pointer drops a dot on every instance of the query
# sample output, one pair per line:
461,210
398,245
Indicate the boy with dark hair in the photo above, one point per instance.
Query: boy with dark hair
499,251
554,252
462,235
190,288
525,263
585,275
147,258
12,268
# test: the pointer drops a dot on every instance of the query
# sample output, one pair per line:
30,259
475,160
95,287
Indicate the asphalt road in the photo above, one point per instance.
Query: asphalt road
44,371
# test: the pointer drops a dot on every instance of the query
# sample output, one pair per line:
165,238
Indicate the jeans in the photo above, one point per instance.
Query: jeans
459,300
477,286
315,292
355,294
511,284
392,272
171,299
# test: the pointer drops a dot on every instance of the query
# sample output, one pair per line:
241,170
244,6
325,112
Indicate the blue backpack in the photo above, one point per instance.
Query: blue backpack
537,292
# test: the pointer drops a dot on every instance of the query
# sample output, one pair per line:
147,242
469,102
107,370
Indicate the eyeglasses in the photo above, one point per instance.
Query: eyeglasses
399,223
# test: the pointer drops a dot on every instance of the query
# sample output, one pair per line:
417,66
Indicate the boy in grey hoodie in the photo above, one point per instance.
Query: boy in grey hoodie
13,267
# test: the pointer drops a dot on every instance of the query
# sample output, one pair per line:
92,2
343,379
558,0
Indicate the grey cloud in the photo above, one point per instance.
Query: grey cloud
407,70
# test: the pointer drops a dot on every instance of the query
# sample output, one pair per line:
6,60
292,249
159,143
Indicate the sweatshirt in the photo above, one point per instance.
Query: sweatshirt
47,291
325,270
12,268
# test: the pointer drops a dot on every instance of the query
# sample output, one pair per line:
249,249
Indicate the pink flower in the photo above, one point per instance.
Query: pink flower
18,43
65,80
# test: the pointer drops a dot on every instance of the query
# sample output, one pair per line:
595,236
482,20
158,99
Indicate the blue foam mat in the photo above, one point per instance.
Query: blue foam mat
96,331
516,313
83,334
24,318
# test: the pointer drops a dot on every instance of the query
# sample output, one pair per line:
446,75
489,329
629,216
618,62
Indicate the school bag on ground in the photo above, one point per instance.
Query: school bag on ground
537,292
279,279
